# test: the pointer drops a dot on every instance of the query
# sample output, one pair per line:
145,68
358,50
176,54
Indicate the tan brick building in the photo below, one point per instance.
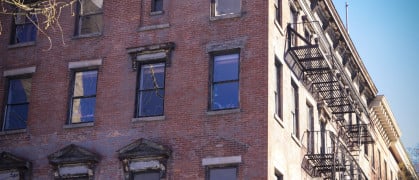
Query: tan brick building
221,89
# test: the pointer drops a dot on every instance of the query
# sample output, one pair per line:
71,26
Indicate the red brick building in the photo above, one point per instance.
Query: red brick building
180,41
171,90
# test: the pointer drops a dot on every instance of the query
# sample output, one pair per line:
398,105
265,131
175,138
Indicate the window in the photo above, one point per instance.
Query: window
144,159
278,175
150,93
225,82
83,97
294,110
89,20
373,157
366,149
222,173
147,175
150,62
293,24
278,12
17,103
278,92
13,167
391,174
310,122
156,5
385,169
379,164
225,7
73,162
24,29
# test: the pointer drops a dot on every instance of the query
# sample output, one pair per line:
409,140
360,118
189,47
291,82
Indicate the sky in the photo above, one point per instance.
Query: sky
386,35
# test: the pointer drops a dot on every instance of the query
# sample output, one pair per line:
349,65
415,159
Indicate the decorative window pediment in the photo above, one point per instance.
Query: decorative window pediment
151,53
144,156
73,162
13,167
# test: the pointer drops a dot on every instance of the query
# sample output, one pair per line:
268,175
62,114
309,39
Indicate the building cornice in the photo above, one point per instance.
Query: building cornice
351,46
384,119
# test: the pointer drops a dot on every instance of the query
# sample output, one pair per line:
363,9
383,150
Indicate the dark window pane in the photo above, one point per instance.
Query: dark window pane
226,67
91,6
24,29
223,7
225,95
152,76
85,83
223,174
83,110
16,116
157,5
91,24
147,176
151,102
84,97
279,176
25,33
19,90
278,101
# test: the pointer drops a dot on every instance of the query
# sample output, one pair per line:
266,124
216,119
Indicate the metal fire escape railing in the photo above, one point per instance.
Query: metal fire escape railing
316,65
328,157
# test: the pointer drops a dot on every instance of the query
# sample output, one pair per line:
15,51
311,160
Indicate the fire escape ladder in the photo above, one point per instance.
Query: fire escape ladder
328,155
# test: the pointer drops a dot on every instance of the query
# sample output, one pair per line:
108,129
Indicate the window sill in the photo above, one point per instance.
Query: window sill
225,16
17,131
296,140
279,27
80,125
155,13
279,120
91,35
222,112
153,27
25,44
146,119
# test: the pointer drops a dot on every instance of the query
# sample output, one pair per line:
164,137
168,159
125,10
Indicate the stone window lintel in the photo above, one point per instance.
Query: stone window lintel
151,52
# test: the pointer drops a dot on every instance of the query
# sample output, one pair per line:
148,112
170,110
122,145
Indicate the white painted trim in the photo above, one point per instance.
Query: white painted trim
73,170
151,56
19,71
221,160
143,165
84,64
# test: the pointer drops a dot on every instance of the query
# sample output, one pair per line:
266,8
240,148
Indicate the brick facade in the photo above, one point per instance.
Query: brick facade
188,129
189,138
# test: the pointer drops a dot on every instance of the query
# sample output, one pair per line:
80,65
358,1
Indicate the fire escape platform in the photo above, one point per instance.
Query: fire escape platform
324,162
322,75
359,133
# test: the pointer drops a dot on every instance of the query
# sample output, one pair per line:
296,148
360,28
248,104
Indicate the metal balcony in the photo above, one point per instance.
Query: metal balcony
316,67
321,159
359,134
328,157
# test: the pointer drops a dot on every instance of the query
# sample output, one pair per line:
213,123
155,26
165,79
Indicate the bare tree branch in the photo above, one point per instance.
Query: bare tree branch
49,11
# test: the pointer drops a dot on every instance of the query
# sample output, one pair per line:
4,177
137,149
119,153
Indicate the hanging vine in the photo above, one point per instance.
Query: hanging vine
43,14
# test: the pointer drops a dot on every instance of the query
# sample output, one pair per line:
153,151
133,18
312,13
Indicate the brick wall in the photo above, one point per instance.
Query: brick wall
187,129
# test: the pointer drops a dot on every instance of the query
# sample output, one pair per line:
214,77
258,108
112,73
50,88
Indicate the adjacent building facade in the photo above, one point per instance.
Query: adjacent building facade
215,90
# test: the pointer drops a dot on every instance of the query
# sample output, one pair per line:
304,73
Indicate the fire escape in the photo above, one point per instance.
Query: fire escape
331,155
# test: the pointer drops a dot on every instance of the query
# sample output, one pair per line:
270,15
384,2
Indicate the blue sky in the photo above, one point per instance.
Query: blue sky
386,35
